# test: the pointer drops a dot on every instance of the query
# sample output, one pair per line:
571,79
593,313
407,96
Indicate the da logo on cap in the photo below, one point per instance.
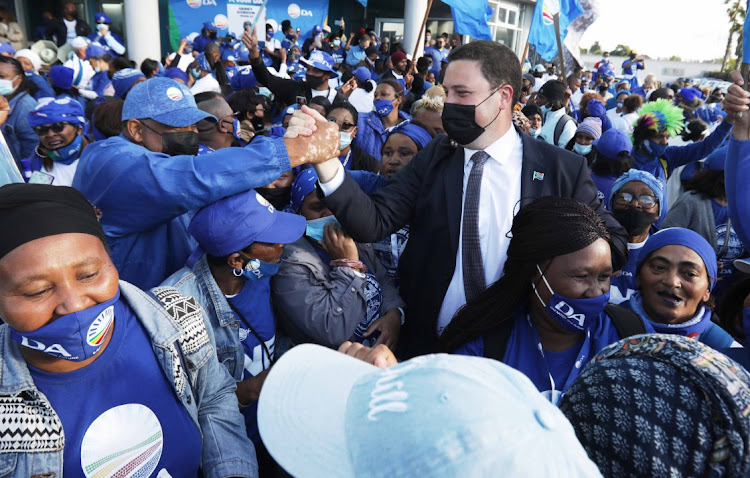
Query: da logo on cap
194,3
221,21
174,93
264,203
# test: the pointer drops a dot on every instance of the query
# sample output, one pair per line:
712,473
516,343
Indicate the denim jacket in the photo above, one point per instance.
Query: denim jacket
186,354
199,283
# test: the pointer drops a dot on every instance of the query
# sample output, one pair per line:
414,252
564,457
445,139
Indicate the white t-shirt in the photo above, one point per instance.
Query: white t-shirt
71,26
362,100
60,175
330,93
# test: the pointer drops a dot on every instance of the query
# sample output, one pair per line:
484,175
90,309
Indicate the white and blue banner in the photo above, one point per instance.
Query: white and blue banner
229,15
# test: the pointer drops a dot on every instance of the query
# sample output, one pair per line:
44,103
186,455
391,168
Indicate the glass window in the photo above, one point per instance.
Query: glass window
504,36
501,14
512,17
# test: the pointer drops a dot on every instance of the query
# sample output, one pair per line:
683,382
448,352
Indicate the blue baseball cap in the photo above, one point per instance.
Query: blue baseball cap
317,29
436,415
623,82
95,51
320,60
362,74
123,81
165,101
100,17
175,73
613,142
243,79
717,160
209,26
233,223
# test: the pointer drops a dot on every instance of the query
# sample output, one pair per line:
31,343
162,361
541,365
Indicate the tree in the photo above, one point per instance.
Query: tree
621,50
736,14
595,49
675,58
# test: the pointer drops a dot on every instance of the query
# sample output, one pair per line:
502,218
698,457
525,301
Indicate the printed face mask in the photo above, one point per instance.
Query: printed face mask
257,269
575,315
383,107
655,149
67,154
75,337
315,227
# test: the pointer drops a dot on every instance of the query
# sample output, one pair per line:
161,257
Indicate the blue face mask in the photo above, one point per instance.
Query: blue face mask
6,86
534,132
383,107
67,154
314,228
545,110
187,50
196,73
236,132
575,315
257,269
581,149
655,149
76,337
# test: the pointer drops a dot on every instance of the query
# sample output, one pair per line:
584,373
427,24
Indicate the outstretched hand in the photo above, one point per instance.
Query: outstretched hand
310,138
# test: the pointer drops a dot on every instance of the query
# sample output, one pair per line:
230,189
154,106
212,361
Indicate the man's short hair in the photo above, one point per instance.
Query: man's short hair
498,63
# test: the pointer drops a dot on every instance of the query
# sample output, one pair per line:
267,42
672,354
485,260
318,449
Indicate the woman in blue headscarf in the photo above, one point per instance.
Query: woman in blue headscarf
59,125
675,275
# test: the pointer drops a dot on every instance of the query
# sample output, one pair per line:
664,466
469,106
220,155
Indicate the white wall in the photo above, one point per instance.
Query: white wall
664,70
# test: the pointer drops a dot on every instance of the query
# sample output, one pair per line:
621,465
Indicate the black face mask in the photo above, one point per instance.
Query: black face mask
459,121
314,81
212,36
257,123
278,197
179,143
634,221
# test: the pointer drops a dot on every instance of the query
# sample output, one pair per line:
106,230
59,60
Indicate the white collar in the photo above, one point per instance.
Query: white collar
398,77
501,149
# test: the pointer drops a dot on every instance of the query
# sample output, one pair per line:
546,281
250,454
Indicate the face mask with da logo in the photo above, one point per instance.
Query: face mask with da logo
76,337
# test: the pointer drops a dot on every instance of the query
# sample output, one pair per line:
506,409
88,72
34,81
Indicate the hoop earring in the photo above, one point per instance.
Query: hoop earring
237,272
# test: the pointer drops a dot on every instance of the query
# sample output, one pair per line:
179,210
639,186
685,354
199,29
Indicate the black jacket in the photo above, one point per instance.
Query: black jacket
427,194
58,32
287,90
362,161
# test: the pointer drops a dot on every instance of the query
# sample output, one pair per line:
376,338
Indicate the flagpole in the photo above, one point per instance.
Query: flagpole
525,54
560,56
421,31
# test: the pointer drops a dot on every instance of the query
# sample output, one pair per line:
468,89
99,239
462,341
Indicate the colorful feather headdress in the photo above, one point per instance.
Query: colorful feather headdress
657,116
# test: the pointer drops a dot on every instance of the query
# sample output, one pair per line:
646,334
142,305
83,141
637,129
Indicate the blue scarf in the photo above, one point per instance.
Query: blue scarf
693,328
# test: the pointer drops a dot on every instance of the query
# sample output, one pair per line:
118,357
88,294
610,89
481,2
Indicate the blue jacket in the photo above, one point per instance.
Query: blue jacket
200,42
18,134
45,89
737,177
147,198
676,156
99,82
207,393
200,284
371,134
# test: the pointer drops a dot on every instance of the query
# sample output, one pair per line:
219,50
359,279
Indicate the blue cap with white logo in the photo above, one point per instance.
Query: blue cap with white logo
436,415
320,60
233,223
165,101
209,25
102,18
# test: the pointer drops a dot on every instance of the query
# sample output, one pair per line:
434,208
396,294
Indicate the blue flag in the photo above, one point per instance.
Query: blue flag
542,31
470,18
363,3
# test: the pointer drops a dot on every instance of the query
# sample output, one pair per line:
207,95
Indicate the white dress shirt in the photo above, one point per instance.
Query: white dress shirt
498,202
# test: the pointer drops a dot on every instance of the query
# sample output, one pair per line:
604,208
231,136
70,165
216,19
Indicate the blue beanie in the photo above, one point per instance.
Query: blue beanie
303,185
124,79
175,73
679,236
655,184
61,76
243,79
203,62
419,135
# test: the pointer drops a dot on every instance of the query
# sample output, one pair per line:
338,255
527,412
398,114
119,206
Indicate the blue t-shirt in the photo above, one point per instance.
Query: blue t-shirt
256,324
622,286
120,414
603,185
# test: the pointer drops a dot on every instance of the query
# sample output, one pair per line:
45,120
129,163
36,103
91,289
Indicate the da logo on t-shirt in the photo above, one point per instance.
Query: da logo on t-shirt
126,440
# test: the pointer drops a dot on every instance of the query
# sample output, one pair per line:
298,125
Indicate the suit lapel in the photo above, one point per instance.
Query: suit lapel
454,181
533,171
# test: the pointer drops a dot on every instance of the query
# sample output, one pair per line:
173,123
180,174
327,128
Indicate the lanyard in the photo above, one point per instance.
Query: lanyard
252,331
346,161
583,354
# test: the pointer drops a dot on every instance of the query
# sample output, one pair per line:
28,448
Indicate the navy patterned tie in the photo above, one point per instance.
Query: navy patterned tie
471,252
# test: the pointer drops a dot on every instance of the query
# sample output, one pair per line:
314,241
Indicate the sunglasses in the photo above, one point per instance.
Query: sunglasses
345,126
41,130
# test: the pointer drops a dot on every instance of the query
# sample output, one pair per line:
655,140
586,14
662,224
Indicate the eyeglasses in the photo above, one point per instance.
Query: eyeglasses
645,200
345,126
41,130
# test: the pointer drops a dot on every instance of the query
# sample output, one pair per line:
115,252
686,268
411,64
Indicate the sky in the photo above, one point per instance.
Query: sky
690,29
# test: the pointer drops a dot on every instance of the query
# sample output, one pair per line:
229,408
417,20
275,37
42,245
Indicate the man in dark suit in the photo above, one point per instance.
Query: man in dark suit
459,194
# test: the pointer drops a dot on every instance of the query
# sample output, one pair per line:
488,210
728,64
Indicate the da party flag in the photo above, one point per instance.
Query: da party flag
542,31
470,18
577,27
